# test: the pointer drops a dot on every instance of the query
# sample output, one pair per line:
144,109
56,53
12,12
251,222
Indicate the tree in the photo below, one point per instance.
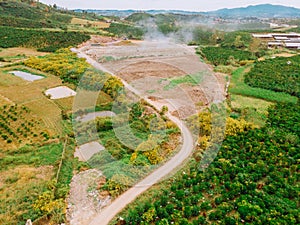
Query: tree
238,43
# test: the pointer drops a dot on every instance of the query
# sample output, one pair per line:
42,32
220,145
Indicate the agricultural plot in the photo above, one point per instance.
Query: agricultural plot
280,74
14,55
225,56
19,126
238,101
5,101
43,40
239,87
89,23
49,112
25,173
15,90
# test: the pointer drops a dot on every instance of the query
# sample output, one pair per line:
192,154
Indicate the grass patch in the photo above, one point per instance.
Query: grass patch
238,101
251,109
21,186
238,87
192,79
31,155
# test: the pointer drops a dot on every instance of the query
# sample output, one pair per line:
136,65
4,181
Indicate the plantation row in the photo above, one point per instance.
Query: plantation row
48,41
253,180
18,126
225,55
280,74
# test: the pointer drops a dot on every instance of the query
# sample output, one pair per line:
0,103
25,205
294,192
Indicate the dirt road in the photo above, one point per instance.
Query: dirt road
108,213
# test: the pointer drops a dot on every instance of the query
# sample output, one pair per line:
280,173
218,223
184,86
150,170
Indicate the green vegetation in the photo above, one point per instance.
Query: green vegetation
71,69
252,180
166,23
95,80
205,36
237,86
43,40
125,30
25,165
225,55
251,109
137,17
193,79
143,143
31,14
280,74
237,39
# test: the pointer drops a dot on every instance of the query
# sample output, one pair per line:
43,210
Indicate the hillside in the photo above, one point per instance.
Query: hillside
34,15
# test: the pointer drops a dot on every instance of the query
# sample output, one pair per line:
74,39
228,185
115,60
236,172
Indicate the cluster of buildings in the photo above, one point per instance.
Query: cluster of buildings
287,40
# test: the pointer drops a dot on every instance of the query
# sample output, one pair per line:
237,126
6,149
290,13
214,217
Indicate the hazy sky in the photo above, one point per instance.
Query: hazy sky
193,5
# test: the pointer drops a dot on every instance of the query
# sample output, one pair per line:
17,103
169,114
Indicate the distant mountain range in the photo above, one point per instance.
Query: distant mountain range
259,11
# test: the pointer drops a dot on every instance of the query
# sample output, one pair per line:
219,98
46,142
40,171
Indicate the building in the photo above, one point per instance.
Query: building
287,40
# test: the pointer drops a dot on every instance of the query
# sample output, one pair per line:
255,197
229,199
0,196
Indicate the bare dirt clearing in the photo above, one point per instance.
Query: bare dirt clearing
146,64
85,200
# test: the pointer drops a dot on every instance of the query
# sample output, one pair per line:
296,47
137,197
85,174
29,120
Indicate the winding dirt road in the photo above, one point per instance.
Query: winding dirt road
108,213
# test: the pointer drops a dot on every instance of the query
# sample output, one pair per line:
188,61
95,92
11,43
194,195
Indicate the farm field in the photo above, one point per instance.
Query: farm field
15,90
89,23
199,116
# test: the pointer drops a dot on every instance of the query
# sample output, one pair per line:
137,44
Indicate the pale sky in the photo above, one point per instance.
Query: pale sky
192,5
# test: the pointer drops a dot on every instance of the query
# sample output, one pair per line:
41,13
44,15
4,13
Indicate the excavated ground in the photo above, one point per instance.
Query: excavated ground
149,66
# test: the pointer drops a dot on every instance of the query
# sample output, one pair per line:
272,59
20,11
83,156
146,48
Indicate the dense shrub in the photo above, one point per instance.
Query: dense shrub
62,63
